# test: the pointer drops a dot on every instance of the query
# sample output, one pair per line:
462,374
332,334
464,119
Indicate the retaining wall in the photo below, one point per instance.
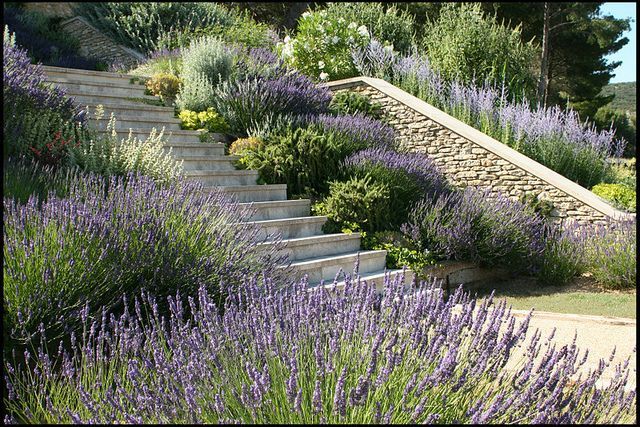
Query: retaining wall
94,44
468,157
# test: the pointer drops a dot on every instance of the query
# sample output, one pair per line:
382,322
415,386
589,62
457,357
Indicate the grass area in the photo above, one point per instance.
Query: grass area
582,296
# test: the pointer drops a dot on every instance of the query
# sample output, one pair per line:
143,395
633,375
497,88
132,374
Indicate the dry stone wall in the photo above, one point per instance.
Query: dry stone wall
94,44
466,162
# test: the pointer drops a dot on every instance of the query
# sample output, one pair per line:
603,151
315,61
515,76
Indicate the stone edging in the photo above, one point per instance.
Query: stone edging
499,149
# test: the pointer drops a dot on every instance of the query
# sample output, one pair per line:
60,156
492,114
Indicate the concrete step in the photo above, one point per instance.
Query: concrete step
209,163
378,277
89,88
181,149
279,209
291,228
188,136
325,268
135,109
87,75
228,177
302,248
124,123
253,193
84,99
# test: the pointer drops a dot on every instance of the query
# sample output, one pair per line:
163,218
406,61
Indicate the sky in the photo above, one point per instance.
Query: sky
626,72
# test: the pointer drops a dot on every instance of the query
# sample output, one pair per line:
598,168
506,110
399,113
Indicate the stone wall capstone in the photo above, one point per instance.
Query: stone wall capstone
470,158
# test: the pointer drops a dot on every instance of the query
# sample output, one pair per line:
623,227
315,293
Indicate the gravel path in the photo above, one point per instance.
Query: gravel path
598,334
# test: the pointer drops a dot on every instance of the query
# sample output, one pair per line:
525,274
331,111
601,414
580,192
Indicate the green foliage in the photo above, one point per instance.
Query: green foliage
323,43
304,158
624,172
620,195
24,177
169,64
164,85
361,203
466,45
206,63
107,155
404,190
145,26
347,102
399,251
209,120
623,123
242,146
610,254
562,259
244,32
541,207
625,96
581,43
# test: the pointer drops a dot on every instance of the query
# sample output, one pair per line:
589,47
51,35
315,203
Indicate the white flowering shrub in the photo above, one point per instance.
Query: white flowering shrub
107,155
322,47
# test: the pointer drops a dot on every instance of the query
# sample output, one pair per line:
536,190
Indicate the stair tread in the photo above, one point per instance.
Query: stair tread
221,172
292,220
63,80
328,259
86,72
378,276
274,203
138,106
318,238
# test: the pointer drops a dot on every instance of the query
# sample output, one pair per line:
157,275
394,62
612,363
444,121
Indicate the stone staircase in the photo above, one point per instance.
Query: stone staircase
310,252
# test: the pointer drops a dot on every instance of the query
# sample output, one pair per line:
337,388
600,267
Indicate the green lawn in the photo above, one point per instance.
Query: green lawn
577,298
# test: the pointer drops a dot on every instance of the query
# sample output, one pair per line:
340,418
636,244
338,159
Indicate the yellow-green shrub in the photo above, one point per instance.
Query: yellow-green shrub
209,120
243,144
620,195
165,85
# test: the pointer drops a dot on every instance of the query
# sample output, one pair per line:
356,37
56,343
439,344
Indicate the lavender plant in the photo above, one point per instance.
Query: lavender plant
294,356
419,168
474,225
551,136
610,252
110,236
361,131
246,103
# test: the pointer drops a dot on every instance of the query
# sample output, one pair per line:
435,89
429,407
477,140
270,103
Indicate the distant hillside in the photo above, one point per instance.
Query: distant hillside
625,96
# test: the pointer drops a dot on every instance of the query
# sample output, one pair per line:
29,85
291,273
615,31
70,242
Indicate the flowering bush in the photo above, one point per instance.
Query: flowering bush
109,236
242,145
553,137
246,103
164,85
32,110
209,120
322,46
108,155
472,225
294,356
